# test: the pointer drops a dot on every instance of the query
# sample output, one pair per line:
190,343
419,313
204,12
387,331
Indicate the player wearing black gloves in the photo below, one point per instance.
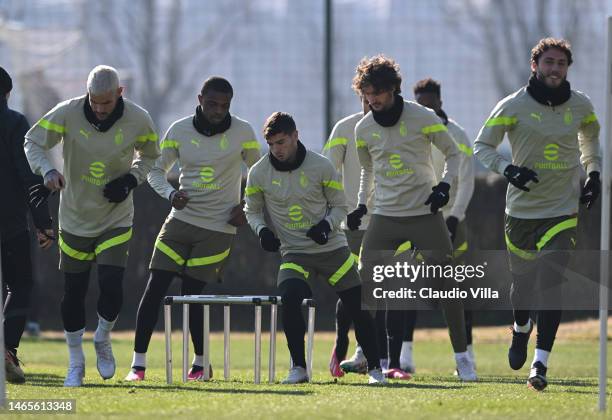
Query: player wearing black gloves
304,198
552,129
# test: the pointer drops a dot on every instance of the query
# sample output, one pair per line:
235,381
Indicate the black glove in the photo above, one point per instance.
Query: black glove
268,240
591,190
319,232
439,197
118,189
38,195
41,218
520,176
353,219
451,225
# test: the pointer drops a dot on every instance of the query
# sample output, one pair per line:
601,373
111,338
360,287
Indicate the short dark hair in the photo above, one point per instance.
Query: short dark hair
218,84
278,122
380,72
546,44
428,85
6,83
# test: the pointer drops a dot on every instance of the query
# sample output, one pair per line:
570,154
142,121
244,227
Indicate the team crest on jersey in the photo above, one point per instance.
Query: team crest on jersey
224,142
303,180
119,137
402,129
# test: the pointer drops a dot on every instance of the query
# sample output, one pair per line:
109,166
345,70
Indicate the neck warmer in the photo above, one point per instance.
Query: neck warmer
106,124
391,116
548,96
290,166
204,127
443,116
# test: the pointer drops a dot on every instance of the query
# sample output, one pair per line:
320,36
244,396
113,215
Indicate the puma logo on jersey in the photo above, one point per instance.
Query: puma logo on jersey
376,136
276,182
85,133
196,142
535,116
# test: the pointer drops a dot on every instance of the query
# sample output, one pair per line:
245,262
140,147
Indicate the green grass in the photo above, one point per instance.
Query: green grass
432,393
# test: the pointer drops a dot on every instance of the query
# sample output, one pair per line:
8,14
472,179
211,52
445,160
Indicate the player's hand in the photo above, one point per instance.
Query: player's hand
353,219
237,216
520,176
439,197
179,199
269,242
45,238
54,181
119,189
319,232
451,225
591,190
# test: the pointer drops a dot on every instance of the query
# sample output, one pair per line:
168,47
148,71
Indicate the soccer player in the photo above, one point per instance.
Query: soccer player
109,147
14,234
552,130
394,145
340,149
305,200
427,92
195,240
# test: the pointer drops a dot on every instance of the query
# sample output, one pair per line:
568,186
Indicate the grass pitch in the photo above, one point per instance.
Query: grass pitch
432,393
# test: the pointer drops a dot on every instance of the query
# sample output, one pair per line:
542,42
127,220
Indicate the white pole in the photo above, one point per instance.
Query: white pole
605,231
2,368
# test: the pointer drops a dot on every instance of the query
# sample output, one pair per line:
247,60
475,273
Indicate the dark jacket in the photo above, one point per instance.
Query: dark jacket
16,175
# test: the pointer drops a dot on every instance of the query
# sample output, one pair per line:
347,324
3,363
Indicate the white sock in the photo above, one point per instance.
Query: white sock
104,329
522,328
198,360
461,355
74,340
384,364
541,356
406,354
470,350
139,359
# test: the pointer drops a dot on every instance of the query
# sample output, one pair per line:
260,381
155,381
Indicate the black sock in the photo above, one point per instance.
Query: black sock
191,286
110,281
395,329
293,292
364,325
73,301
410,318
148,309
343,324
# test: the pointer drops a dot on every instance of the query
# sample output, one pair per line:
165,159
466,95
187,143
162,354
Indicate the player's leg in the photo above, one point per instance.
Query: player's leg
111,250
76,256
17,276
293,290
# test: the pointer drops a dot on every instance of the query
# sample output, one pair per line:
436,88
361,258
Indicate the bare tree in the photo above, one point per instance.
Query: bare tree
158,42
507,30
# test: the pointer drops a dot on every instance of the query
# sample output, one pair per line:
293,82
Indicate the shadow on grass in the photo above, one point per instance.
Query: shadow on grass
523,381
51,380
398,385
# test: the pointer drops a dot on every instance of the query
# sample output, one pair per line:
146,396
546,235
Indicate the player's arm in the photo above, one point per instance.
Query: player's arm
170,152
590,158
251,149
490,137
439,137
333,191
335,149
147,151
45,134
465,184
